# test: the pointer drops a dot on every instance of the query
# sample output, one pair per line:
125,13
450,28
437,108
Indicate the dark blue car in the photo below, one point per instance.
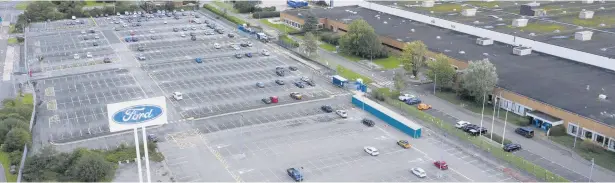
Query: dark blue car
198,60
413,101
295,174
511,147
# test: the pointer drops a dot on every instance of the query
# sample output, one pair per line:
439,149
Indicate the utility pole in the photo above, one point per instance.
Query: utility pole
504,130
496,102
591,171
435,79
482,115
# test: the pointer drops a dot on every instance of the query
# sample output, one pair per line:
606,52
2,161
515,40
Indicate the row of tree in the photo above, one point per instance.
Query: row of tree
81,165
14,128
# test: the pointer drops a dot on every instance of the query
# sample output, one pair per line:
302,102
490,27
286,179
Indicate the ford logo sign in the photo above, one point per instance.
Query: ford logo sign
137,114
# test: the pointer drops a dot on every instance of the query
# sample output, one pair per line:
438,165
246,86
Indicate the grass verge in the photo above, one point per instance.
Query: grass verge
477,108
446,7
481,142
483,4
22,5
327,46
390,62
541,28
351,75
6,163
224,15
289,41
12,29
594,22
12,40
93,3
281,27
227,6
27,98
602,158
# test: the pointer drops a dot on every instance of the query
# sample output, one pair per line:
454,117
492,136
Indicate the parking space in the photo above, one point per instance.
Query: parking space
74,107
258,146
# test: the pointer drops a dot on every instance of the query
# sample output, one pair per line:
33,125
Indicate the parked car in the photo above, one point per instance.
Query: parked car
231,35
525,131
292,68
279,82
177,96
238,55
296,95
265,52
371,150
441,165
299,84
249,55
368,122
404,143
327,108
423,106
342,113
106,60
294,174
419,172
512,147
260,85
461,124
413,101
266,100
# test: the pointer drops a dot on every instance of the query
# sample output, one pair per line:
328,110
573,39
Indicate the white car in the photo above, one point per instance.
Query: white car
235,47
83,32
177,96
76,56
152,31
341,113
89,55
217,46
193,28
371,150
265,52
96,37
183,35
405,97
461,124
419,172
165,22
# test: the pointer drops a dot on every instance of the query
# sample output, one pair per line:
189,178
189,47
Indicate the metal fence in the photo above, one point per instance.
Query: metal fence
32,121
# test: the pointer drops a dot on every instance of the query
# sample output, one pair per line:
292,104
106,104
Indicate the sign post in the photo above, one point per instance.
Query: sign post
134,115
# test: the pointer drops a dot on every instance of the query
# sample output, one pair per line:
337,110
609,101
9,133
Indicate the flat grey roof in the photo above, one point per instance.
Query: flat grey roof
566,84
602,42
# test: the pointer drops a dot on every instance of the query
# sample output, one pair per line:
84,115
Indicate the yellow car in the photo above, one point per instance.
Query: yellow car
423,106
404,143
296,95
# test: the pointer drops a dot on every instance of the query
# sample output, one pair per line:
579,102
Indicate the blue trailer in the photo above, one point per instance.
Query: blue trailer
339,81
246,29
393,119
296,3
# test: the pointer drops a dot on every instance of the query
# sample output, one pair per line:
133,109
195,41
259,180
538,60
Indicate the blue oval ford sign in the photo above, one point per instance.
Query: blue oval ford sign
137,114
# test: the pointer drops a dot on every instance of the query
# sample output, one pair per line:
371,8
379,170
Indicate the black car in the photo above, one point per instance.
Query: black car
512,147
280,82
327,108
299,84
310,82
266,100
92,31
368,122
107,60
279,72
152,138
192,34
477,131
468,127
140,48
231,35
95,44
175,29
292,68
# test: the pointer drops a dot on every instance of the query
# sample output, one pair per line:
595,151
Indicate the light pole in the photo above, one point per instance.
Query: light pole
504,130
576,135
496,102
482,115
591,171
435,79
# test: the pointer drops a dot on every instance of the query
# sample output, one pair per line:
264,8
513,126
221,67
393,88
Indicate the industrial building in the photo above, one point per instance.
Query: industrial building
549,90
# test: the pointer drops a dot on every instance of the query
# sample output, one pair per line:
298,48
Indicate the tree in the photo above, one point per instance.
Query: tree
309,43
9,124
414,56
16,139
91,167
46,166
246,6
361,40
311,22
479,78
441,71
398,80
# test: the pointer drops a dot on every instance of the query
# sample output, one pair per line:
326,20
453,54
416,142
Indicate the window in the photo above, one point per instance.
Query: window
573,129
588,134
611,145
600,139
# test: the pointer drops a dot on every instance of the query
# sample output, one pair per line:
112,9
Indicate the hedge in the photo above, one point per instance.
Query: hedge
331,38
497,138
222,14
266,14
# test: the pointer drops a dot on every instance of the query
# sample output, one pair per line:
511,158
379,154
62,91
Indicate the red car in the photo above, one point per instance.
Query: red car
441,165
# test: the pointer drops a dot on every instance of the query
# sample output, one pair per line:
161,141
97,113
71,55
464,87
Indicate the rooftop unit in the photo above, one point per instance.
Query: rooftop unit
587,1
521,22
468,12
484,41
427,4
521,51
583,35
531,9
586,14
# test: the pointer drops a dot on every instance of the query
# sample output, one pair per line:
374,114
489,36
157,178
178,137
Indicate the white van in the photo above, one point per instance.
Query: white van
74,18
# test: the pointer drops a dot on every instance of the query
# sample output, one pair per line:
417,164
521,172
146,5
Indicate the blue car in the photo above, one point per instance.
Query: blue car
198,60
249,55
295,174
413,101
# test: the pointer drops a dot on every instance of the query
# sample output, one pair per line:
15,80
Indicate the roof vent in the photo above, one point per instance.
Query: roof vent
411,30
521,22
586,14
602,96
484,41
462,52
532,34
521,51
385,22
583,35
602,7
437,37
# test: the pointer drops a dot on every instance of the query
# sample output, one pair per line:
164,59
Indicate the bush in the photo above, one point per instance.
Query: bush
497,138
271,8
331,38
266,14
591,147
557,131
15,157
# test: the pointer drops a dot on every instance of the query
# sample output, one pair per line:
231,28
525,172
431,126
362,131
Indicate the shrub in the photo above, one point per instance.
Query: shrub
591,147
497,138
15,157
266,14
331,38
557,131
271,8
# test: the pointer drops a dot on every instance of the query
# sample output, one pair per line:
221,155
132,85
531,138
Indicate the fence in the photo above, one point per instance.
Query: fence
32,120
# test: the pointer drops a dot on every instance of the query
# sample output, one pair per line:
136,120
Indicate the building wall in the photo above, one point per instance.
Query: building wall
585,124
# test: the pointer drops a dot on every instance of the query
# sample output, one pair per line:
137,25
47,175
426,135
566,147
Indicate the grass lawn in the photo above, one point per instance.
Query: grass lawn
351,57
481,142
221,13
93,3
4,159
11,28
327,46
227,6
281,27
27,98
391,62
446,7
22,5
483,3
594,22
12,40
542,28
604,159
351,75
477,108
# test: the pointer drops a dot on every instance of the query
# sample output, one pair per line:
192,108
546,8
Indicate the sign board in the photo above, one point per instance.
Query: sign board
137,113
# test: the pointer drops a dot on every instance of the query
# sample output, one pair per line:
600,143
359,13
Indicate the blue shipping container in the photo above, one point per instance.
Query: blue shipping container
395,120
